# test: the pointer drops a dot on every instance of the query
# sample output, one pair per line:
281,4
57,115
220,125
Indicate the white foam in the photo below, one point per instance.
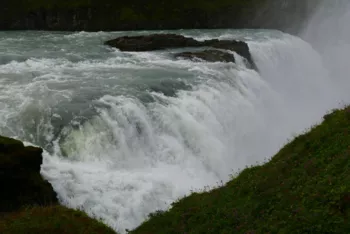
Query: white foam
133,158
84,35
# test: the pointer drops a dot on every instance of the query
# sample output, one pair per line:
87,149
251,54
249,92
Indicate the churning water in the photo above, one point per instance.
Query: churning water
126,134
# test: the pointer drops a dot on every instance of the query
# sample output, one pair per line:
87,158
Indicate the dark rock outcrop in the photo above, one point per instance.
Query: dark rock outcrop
152,42
20,179
239,47
171,41
207,55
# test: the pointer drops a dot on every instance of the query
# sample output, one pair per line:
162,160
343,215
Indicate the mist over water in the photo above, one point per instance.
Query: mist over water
328,32
126,134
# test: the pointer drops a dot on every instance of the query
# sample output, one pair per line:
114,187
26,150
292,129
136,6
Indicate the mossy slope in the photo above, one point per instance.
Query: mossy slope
305,188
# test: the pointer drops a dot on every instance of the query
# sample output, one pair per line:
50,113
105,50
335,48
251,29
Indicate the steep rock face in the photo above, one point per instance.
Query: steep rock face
105,15
20,179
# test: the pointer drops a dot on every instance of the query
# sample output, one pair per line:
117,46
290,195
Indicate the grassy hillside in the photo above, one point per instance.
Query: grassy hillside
305,188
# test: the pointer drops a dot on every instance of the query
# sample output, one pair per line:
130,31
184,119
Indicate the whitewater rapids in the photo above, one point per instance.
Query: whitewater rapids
126,134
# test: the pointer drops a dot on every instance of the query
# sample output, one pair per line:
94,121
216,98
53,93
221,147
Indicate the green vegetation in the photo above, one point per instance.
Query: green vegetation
305,188
51,219
137,9
180,4
92,15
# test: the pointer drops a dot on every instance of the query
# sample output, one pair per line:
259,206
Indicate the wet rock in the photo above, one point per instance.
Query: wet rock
239,47
152,42
207,55
20,179
171,41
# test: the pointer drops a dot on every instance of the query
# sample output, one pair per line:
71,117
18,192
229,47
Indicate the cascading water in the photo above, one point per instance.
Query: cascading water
129,133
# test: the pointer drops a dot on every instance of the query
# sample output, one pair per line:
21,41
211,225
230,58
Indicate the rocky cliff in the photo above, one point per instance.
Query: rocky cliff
28,203
20,179
110,15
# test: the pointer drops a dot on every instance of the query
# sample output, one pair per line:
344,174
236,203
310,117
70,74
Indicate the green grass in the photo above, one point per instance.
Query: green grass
50,220
304,188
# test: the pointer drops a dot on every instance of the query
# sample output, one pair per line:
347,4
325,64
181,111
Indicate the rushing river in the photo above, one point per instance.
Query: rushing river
128,133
